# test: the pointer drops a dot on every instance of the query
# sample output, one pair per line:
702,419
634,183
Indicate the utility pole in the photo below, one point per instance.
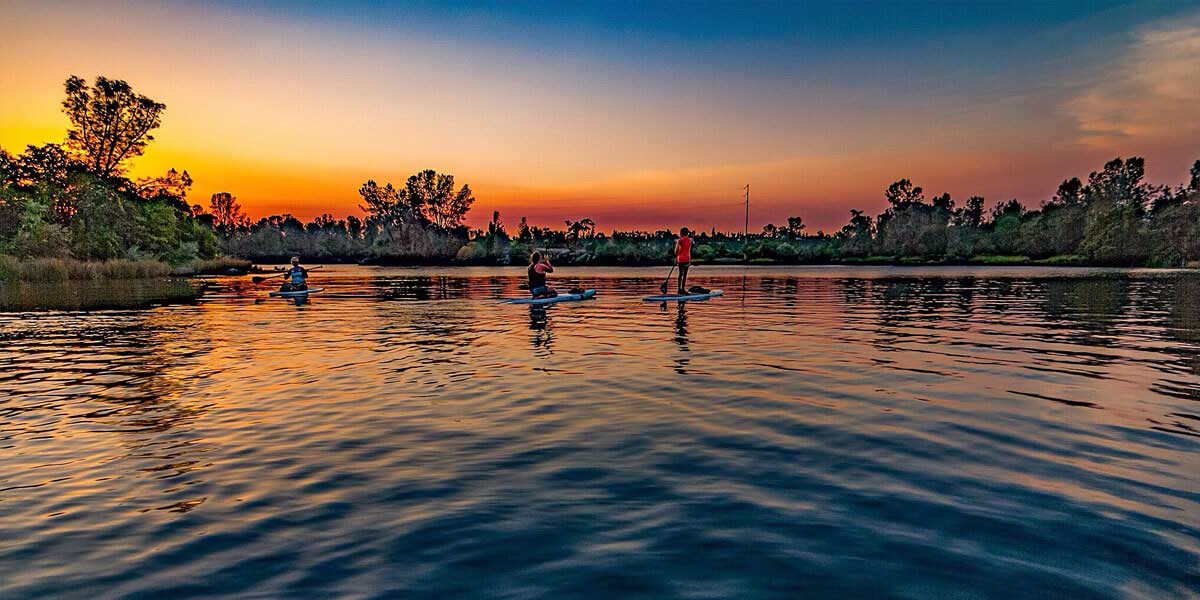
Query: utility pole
746,231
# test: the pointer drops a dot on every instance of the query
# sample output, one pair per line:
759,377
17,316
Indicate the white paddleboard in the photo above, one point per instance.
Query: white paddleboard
278,294
587,294
683,297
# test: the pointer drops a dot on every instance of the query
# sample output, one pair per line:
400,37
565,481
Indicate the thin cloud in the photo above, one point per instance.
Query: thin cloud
1150,94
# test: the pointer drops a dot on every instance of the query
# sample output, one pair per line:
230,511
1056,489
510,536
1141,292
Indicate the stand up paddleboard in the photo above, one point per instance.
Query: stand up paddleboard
586,295
296,293
683,297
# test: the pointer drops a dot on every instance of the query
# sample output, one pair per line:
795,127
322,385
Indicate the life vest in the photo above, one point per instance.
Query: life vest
683,250
536,279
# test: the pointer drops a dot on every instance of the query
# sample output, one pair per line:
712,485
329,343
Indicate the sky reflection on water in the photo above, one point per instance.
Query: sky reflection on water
817,431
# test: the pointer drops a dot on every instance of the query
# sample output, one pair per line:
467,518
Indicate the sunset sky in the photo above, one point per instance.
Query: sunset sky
634,114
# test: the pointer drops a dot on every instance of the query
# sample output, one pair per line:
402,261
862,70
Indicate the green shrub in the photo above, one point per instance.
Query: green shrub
10,268
999,259
213,266
1063,260
65,269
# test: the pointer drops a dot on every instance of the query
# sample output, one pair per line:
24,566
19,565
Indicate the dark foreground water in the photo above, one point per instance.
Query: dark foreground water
820,432
96,295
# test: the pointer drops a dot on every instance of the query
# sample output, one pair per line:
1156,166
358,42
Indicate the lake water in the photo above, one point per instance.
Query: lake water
95,295
816,432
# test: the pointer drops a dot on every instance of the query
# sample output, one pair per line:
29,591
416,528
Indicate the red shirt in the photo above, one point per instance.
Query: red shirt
683,250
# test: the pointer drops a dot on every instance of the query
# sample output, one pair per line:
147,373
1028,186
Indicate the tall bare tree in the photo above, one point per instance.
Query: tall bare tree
110,123
227,213
432,195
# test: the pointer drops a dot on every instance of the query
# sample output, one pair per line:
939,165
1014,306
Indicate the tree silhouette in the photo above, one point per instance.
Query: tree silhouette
860,223
7,168
432,195
496,226
970,215
524,232
227,213
109,123
944,202
48,163
1120,183
1012,207
1070,193
383,205
575,229
172,187
795,227
902,192
354,227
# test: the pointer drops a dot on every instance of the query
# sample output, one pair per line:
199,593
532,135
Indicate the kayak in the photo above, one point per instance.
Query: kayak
684,297
296,293
586,295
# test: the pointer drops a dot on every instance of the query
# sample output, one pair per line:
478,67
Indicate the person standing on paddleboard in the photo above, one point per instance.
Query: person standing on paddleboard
296,278
539,265
683,257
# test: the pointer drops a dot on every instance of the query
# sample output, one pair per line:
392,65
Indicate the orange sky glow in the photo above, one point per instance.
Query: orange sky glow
292,114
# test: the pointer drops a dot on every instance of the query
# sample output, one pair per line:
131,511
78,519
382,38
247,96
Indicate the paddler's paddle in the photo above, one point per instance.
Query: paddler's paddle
663,287
262,278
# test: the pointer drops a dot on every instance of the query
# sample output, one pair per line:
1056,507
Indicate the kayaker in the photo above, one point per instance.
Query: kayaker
683,257
539,265
295,278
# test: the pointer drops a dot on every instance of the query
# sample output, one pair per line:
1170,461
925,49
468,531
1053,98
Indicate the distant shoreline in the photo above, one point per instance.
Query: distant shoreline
13,271
263,267
56,270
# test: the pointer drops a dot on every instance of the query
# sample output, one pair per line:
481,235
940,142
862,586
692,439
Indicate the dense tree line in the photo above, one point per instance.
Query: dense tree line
72,200
420,222
1112,218
1115,218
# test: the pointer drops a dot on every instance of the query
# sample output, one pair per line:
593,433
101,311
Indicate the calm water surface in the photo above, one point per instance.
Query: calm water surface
817,432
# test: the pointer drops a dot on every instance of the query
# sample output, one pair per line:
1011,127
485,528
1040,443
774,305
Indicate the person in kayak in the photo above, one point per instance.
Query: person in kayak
295,279
539,265
683,257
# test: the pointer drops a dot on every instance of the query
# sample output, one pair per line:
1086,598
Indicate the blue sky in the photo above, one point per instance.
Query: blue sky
636,112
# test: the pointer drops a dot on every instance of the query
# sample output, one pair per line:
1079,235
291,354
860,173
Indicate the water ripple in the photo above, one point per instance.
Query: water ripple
817,432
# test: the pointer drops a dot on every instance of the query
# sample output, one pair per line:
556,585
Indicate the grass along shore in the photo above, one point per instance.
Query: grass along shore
66,269
49,270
